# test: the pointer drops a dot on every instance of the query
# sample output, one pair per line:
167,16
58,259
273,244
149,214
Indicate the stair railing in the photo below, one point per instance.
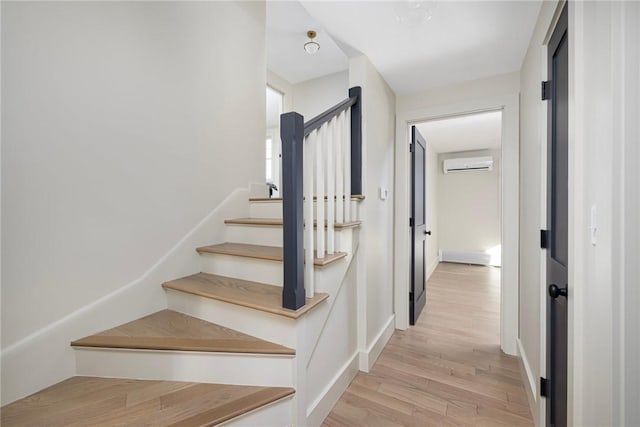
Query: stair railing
322,156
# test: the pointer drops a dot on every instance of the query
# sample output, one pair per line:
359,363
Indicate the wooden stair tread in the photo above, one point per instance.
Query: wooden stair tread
271,253
170,330
111,401
259,296
275,222
356,197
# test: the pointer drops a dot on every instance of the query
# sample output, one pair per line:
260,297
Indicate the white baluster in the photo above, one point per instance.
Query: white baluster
340,141
308,152
320,142
331,189
347,166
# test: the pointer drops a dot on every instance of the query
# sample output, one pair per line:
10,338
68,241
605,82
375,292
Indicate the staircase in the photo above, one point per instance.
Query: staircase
225,350
229,349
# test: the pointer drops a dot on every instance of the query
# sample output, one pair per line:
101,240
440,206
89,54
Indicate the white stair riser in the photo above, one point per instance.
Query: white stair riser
344,240
256,270
267,326
272,236
274,210
254,235
329,279
224,368
276,414
265,209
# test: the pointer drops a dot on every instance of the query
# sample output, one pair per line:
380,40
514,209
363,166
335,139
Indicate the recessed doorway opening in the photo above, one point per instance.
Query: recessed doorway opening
463,242
508,107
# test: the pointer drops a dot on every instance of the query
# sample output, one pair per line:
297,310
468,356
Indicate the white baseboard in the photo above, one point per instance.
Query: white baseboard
25,370
369,356
431,266
529,379
466,257
322,405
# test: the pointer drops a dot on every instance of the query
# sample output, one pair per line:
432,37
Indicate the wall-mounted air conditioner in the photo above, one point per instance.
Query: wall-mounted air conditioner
470,164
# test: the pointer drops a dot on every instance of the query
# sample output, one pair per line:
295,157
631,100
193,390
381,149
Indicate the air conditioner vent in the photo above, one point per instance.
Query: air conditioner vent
470,164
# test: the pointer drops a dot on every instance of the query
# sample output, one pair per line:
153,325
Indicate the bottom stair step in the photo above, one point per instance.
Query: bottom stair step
107,402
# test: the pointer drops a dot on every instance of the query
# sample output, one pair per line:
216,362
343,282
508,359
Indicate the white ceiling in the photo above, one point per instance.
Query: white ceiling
463,133
287,26
463,40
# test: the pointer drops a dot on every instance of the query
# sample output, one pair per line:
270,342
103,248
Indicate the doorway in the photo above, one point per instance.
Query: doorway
508,105
455,205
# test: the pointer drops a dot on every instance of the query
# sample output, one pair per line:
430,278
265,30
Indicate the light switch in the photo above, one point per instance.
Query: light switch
384,193
593,226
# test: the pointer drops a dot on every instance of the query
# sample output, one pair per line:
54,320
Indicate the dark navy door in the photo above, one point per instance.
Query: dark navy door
558,288
417,295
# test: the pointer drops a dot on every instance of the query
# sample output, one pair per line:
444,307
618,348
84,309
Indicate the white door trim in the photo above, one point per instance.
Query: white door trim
509,104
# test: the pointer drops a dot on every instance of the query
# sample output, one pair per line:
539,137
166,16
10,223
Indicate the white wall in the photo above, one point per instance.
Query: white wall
375,262
333,360
469,206
282,86
433,208
533,141
627,353
125,124
1,221
498,85
314,96
604,383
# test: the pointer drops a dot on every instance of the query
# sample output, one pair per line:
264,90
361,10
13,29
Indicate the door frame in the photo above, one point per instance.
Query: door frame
509,105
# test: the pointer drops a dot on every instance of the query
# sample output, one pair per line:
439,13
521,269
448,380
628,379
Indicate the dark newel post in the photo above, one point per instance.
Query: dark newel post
292,136
356,141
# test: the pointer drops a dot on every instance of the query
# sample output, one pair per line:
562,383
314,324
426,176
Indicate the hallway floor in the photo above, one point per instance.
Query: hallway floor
446,370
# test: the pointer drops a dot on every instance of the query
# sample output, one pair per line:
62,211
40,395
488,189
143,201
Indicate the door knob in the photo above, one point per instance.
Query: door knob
555,291
428,233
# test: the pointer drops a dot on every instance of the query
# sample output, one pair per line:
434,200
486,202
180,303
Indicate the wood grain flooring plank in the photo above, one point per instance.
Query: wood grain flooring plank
89,401
277,222
448,367
269,253
259,296
170,330
239,406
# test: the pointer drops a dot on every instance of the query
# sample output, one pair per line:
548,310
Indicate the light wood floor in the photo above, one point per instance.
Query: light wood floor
170,330
446,370
89,401
269,253
258,296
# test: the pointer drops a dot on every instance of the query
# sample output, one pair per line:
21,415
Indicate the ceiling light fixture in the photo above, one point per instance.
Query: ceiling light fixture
311,46
414,13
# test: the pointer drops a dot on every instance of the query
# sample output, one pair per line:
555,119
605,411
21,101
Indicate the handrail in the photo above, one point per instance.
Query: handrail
323,118
293,132
355,102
